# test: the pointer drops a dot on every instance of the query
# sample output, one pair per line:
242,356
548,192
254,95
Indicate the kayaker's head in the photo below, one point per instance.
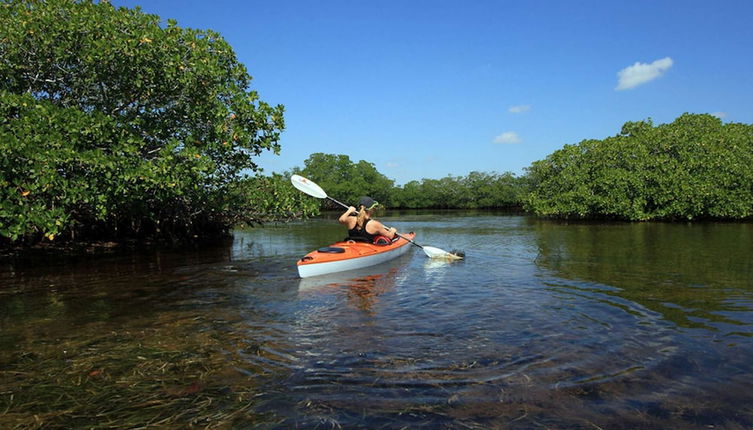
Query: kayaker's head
367,206
368,203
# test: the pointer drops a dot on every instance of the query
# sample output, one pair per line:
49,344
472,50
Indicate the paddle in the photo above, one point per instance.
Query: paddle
314,190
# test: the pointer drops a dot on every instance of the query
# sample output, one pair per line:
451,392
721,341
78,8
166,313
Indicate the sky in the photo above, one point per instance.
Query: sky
430,88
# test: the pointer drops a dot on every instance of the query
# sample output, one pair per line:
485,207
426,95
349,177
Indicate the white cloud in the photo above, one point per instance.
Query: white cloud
720,115
640,73
508,137
519,108
392,165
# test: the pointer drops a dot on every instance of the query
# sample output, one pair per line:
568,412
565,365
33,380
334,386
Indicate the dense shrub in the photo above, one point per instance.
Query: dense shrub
695,167
116,125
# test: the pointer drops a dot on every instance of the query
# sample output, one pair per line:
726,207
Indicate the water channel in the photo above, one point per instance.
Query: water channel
544,324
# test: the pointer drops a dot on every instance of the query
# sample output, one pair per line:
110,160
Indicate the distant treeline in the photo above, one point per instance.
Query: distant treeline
693,168
476,190
347,180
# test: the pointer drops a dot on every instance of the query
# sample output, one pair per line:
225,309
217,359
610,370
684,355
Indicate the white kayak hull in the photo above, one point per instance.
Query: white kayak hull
354,256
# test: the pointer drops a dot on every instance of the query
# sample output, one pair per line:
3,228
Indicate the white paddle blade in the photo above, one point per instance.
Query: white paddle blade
433,252
308,187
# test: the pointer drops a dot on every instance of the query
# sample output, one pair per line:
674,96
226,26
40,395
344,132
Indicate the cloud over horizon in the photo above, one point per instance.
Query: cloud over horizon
508,137
640,73
519,108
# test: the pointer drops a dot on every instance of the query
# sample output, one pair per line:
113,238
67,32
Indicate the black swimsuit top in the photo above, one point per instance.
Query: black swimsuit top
362,234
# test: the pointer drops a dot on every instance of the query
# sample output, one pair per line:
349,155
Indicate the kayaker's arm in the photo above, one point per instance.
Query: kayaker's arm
346,215
384,231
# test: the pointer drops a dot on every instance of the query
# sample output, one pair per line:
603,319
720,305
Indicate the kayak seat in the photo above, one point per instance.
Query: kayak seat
331,250
382,240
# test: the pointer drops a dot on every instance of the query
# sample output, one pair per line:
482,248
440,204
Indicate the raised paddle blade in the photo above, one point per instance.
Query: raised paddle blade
433,252
308,187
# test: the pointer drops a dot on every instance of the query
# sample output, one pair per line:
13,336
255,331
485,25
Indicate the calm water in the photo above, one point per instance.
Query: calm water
543,325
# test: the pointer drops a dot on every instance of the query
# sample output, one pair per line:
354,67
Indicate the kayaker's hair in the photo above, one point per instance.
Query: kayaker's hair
362,213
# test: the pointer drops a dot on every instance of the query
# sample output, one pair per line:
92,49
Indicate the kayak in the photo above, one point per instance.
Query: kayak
350,255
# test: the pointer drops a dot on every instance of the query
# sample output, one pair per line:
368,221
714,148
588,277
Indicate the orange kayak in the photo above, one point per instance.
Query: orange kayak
350,255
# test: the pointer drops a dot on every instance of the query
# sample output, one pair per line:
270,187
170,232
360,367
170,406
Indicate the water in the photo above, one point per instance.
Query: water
544,324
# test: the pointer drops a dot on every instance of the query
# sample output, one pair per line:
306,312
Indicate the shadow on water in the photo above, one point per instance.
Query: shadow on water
543,325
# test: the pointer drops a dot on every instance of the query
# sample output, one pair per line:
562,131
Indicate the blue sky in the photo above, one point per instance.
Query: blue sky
426,89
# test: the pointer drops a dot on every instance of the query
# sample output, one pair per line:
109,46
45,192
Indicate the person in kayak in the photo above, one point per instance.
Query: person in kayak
361,226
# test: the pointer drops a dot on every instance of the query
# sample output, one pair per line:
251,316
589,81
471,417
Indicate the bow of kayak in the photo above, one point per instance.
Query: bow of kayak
350,255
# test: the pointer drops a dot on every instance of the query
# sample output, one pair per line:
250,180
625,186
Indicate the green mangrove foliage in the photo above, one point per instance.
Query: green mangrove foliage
695,167
476,190
271,198
114,125
346,180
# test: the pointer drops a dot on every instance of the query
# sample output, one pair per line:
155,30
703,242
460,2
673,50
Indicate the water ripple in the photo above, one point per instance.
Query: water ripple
542,325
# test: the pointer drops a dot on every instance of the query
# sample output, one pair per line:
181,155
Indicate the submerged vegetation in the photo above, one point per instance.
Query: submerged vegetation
173,376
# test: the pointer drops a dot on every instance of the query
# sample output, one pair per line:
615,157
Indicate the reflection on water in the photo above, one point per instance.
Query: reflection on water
694,275
543,325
